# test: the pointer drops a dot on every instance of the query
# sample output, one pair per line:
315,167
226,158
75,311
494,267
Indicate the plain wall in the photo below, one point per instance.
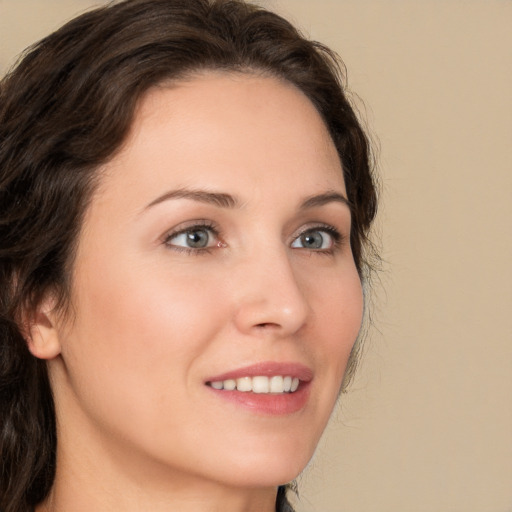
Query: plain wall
427,424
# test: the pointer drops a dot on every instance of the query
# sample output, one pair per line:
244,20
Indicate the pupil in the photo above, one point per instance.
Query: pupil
312,240
197,239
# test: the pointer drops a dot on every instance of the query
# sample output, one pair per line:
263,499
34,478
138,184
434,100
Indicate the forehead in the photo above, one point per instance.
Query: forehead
219,130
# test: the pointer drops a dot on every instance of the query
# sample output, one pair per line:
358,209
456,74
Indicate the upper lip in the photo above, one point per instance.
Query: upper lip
269,369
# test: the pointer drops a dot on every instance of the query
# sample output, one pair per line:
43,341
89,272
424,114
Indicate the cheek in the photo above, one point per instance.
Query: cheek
137,334
144,304
338,315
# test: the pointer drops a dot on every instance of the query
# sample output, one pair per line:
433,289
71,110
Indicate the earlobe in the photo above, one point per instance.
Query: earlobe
42,333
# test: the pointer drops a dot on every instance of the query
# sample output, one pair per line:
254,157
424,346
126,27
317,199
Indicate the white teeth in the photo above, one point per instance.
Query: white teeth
276,384
244,384
230,384
259,384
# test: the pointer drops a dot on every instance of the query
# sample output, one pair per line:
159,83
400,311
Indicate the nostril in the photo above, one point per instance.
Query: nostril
267,324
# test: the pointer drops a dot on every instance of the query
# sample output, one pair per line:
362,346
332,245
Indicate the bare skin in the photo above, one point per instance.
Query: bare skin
244,164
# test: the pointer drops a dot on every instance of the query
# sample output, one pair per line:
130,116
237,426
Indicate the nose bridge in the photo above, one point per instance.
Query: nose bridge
270,292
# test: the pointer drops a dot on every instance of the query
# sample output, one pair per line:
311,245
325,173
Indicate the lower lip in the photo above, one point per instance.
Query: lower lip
272,404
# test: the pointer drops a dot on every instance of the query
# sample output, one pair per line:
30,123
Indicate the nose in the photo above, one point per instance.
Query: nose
269,298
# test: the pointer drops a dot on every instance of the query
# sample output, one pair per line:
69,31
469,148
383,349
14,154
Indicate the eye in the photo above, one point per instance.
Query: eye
316,239
194,237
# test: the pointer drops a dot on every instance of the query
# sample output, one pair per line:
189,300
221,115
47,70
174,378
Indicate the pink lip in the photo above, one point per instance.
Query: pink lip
268,404
269,368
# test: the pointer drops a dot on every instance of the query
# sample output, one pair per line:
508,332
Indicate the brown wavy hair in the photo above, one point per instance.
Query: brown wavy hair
65,109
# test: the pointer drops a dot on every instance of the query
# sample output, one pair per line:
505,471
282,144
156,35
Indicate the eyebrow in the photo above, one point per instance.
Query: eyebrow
322,199
224,200
215,198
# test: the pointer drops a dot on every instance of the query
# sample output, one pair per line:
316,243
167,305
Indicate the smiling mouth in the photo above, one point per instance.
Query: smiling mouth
277,384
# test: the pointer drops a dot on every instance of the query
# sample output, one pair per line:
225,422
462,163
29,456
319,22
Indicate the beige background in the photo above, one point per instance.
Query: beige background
427,425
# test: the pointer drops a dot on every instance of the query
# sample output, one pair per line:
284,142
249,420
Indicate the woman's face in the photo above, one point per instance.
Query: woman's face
216,248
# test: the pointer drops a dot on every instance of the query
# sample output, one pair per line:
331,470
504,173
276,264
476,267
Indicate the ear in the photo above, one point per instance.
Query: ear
41,331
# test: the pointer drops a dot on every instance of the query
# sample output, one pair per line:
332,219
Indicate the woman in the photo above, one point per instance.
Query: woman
185,202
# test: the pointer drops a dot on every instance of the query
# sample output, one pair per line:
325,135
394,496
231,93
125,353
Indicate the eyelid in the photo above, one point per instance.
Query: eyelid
318,226
192,225
338,237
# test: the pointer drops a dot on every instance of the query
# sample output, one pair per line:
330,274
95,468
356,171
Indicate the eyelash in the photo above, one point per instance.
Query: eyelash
337,238
198,225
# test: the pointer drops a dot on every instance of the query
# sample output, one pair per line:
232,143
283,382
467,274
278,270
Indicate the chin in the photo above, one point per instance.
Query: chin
267,468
